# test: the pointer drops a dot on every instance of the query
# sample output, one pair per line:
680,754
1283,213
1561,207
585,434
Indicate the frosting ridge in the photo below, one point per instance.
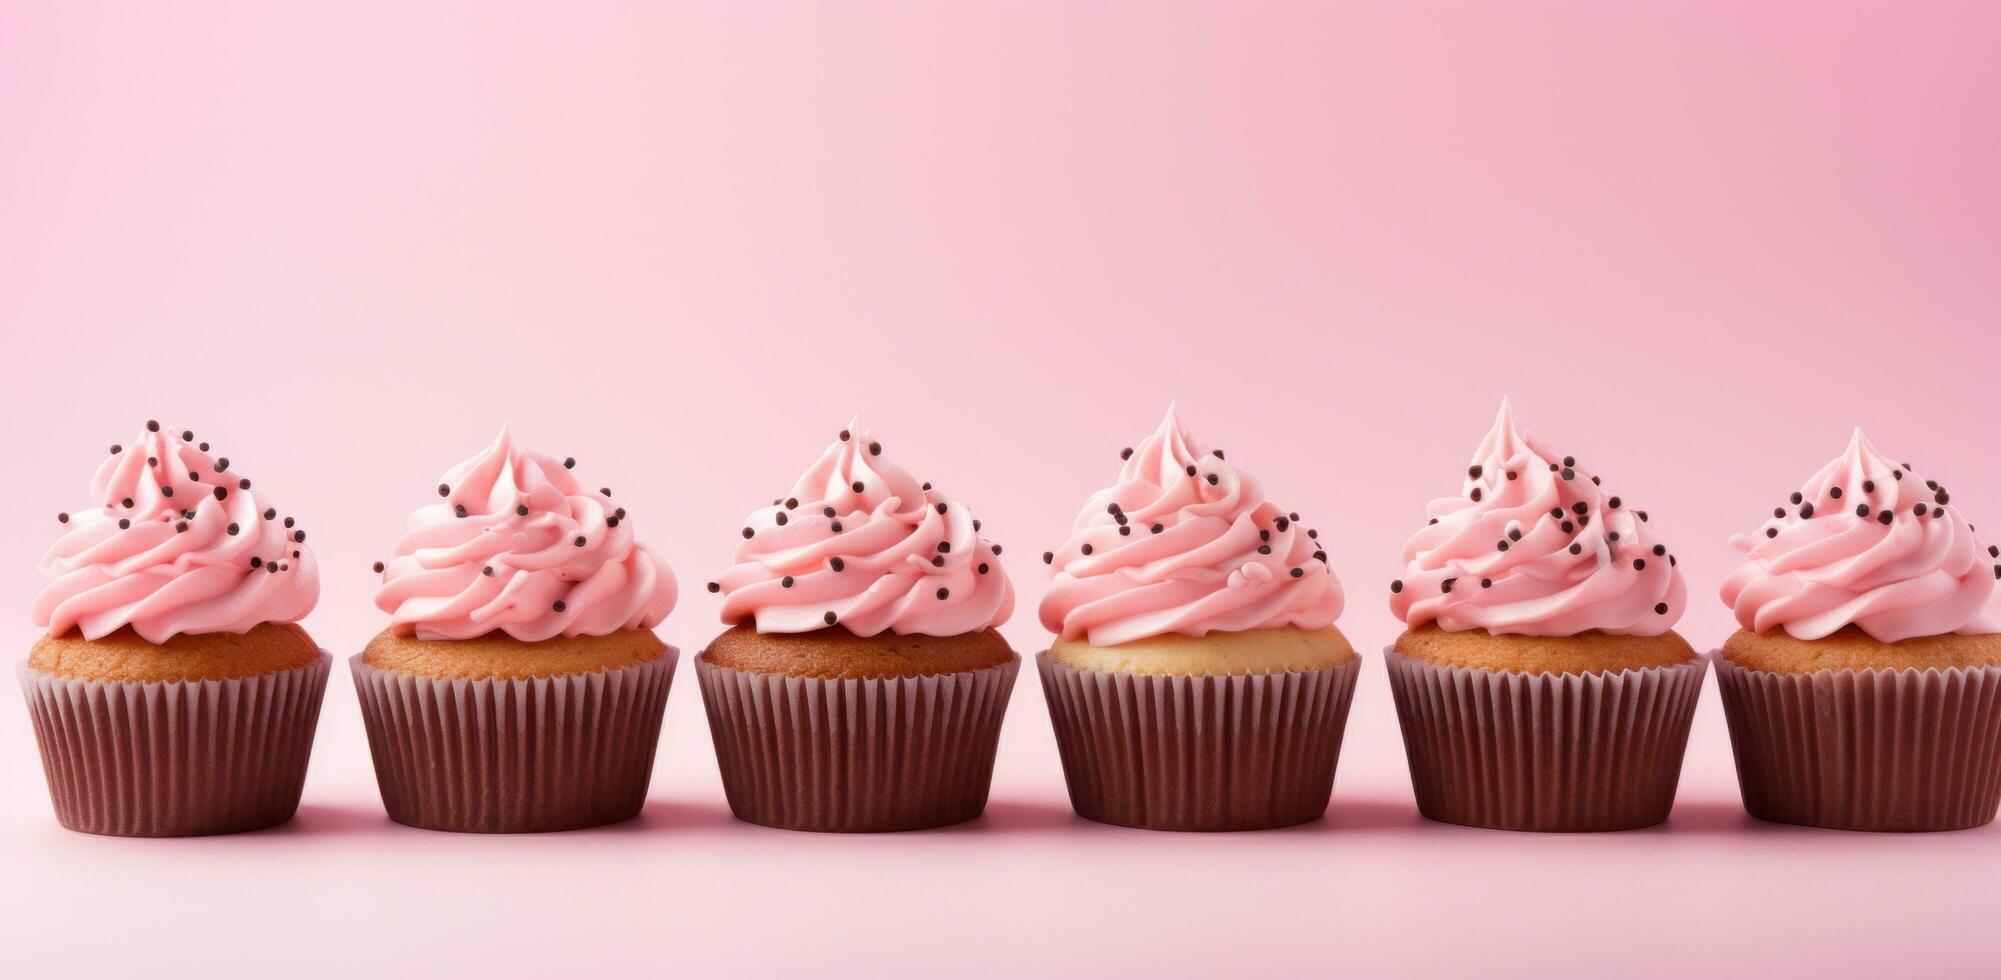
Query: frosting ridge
178,543
1185,543
1868,542
860,543
515,543
1533,545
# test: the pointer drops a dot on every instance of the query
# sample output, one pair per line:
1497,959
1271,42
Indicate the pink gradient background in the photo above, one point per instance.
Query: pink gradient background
1694,242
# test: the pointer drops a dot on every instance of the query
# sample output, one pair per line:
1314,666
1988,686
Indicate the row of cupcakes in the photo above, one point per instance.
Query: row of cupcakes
1196,681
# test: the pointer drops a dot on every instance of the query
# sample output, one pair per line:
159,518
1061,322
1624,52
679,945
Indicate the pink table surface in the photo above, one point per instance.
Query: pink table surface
1695,242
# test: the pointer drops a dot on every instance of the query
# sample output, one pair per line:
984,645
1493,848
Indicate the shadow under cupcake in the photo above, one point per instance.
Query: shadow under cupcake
862,685
173,694
519,687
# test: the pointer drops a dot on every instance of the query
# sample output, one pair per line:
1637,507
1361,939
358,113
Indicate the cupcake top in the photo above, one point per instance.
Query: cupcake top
1871,543
177,543
514,543
861,544
1533,545
1185,543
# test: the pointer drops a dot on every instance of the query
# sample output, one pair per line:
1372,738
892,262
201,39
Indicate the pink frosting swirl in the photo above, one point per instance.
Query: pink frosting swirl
1533,545
1869,542
514,543
860,543
177,544
1185,543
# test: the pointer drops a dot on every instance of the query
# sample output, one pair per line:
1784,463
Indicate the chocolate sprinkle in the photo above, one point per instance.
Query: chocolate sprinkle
715,587
1049,558
559,607
1157,528
521,511
942,593
233,528
748,534
1639,564
378,568
1576,549
444,490
1086,549
152,425
780,518
569,462
1661,608
983,568
837,564
1126,453
785,583
1396,586
1834,492
1806,511
126,522
1446,586
829,618
1885,517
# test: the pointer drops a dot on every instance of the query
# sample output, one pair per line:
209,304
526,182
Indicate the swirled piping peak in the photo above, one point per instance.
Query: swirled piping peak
1185,542
1534,545
515,543
176,542
1867,542
860,543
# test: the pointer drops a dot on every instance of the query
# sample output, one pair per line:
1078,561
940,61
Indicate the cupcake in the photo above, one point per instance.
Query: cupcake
1197,680
519,686
174,693
1539,682
861,683
1864,690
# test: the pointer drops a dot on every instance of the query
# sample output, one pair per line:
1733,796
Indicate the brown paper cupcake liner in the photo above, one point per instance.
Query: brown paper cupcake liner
856,755
514,755
176,758
1888,750
1244,752
1544,752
